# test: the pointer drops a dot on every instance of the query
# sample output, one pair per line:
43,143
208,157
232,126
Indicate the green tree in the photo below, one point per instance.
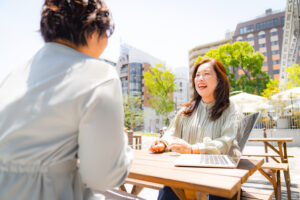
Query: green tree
272,88
241,56
293,76
161,85
133,112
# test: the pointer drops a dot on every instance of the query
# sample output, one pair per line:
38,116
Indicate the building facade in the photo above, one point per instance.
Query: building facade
265,35
131,66
181,94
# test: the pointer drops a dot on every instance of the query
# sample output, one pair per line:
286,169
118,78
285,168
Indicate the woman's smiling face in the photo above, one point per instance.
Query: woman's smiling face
206,82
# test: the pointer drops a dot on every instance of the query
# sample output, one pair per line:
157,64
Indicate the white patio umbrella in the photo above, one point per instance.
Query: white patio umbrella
286,99
295,105
250,102
287,95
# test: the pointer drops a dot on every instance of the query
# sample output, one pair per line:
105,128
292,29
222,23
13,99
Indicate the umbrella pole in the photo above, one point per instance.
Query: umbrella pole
266,148
293,125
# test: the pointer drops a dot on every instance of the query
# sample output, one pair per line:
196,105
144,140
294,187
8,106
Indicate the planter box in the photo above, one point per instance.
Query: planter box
282,123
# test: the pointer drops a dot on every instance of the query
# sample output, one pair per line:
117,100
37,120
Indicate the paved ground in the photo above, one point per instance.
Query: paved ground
256,180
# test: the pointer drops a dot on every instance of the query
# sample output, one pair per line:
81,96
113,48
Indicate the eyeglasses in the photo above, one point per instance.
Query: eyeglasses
204,76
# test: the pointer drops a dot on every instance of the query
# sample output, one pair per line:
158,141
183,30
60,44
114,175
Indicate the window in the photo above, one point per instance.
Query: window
240,38
275,62
124,69
264,63
275,52
277,71
264,53
274,43
281,20
250,37
267,24
262,45
273,32
261,35
247,29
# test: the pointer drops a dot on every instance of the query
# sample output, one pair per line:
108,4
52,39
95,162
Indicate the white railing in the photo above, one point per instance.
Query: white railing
287,122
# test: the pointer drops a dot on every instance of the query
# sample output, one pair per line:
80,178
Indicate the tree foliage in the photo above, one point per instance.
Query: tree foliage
134,116
294,81
161,85
293,76
241,56
272,88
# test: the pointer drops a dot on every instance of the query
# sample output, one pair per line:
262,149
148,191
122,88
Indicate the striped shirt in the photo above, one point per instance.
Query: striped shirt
212,137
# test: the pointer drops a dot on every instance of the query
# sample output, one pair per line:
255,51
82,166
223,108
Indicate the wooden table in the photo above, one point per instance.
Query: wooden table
281,152
186,182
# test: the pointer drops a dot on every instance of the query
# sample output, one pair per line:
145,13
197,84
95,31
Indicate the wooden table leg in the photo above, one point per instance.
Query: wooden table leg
285,152
266,147
278,185
287,173
130,138
284,159
237,196
140,142
179,193
272,178
136,142
122,188
136,189
288,183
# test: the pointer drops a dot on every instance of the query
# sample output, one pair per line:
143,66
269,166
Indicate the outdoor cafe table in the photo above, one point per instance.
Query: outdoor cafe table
187,181
281,151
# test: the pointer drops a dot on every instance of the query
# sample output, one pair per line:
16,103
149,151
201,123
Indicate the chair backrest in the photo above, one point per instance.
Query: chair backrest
247,124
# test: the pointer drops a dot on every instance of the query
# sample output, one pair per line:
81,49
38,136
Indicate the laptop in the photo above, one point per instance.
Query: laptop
220,161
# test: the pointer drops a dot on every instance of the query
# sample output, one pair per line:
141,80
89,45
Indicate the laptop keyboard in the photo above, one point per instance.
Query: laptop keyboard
213,160
204,160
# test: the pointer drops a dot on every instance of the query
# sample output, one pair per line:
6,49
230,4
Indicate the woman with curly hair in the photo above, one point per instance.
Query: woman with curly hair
208,124
64,105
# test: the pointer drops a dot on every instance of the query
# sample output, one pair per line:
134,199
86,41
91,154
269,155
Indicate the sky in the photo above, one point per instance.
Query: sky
166,29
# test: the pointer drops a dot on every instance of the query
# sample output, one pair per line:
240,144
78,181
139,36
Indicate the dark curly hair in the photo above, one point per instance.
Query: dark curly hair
221,93
75,20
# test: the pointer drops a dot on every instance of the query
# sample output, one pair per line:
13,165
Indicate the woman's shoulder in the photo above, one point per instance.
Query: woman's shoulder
98,67
233,109
74,61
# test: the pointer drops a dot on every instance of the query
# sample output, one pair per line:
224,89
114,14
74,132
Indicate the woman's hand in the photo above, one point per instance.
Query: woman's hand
157,147
180,146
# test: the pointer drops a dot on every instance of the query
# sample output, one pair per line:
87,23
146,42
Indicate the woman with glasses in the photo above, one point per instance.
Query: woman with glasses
208,124
64,105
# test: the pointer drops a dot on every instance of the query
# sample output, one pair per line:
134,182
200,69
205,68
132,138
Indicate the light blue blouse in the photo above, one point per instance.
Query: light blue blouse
62,105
